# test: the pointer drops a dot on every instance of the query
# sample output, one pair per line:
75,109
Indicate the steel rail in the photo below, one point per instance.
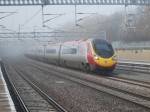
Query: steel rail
121,79
13,91
126,95
130,81
134,66
58,107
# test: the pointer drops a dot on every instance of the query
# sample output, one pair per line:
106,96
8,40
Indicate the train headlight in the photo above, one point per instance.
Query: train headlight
96,57
114,58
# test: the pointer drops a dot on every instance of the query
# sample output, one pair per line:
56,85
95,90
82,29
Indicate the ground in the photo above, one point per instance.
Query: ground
135,55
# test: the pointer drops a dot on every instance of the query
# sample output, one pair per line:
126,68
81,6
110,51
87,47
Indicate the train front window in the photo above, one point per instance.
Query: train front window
103,48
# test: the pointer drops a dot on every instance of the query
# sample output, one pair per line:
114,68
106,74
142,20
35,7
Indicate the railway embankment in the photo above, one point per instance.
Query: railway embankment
134,54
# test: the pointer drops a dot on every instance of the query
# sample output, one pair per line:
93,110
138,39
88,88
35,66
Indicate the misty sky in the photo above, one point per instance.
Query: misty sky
30,18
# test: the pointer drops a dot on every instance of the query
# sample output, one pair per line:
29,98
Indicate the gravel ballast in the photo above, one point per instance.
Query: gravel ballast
33,101
75,97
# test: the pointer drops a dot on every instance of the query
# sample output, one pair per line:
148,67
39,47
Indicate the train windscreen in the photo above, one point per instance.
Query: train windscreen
103,48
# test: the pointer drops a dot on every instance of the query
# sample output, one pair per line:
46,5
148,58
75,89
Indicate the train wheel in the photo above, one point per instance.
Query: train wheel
86,68
65,64
110,72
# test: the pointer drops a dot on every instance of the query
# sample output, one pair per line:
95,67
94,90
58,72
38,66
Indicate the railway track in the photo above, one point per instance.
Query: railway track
134,66
54,106
130,81
43,94
19,104
114,76
129,95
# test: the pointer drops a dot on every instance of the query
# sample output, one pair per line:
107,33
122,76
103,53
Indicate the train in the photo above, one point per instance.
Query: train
85,54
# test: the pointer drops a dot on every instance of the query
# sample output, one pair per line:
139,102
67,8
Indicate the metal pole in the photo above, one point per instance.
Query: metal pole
19,32
43,16
44,50
59,57
34,32
75,13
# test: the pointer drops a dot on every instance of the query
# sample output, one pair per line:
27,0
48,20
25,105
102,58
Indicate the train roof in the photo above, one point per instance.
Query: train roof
85,39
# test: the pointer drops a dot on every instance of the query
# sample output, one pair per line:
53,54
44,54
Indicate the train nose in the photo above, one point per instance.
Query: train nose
105,62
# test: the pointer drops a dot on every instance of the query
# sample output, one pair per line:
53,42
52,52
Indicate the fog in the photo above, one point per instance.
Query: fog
30,16
24,29
13,48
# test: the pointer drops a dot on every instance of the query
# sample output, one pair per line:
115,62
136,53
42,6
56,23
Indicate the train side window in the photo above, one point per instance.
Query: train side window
69,51
52,51
73,50
64,51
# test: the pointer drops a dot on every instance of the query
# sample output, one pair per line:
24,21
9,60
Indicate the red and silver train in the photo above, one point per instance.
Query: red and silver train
87,55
